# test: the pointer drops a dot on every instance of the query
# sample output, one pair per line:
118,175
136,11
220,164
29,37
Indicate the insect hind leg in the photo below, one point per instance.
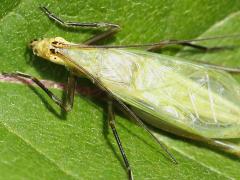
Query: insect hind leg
186,44
111,121
199,47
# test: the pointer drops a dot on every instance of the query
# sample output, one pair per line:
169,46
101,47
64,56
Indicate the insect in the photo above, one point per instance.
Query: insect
197,101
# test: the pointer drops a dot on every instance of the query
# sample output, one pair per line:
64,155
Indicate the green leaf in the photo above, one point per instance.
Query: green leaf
37,142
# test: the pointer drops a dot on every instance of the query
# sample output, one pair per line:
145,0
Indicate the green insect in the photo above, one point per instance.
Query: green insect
197,101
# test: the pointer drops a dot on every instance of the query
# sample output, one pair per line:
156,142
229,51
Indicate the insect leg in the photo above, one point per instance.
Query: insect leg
222,144
71,85
184,43
111,121
112,28
78,24
59,102
227,146
104,35
202,48
219,67
126,109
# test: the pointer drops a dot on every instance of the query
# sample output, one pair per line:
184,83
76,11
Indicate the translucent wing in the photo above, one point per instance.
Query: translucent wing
185,95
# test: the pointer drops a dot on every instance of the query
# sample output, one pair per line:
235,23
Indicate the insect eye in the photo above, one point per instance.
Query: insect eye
53,51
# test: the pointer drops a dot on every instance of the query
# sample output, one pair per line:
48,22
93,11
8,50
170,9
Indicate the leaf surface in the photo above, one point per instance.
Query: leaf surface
37,142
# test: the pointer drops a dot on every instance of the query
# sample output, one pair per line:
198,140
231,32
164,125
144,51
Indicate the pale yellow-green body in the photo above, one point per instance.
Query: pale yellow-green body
187,96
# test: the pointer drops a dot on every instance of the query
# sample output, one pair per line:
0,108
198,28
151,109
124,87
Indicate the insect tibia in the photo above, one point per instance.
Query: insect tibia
67,107
227,146
104,25
78,24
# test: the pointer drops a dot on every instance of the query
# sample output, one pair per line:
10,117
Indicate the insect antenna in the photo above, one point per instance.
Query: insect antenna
162,43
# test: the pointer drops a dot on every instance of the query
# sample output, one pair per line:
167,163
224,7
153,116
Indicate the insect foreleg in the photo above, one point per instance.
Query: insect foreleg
67,106
111,28
104,35
111,121
78,24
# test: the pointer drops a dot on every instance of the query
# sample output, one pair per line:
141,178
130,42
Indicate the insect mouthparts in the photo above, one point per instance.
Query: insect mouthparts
32,43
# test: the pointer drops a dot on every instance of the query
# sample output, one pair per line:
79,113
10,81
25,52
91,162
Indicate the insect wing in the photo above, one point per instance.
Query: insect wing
185,95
